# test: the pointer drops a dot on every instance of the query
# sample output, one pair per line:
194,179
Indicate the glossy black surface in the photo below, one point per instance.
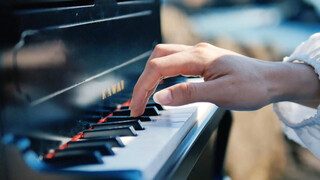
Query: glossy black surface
72,158
136,124
64,60
122,118
148,111
105,132
113,141
158,106
104,149
66,64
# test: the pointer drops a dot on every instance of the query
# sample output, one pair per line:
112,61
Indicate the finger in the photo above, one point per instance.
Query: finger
185,93
182,93
144,103
166,49
156,69
143,100
159,51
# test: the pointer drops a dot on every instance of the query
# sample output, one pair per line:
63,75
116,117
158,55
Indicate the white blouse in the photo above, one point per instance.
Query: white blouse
301,123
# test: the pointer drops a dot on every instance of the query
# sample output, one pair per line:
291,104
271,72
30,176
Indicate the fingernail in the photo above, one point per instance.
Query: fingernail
163,97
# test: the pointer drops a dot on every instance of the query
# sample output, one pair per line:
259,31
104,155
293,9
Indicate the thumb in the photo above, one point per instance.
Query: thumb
180,94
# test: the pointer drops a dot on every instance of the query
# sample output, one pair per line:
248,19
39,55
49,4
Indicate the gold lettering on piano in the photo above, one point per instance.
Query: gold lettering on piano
114,89
104,94
118,87
122,84
109,92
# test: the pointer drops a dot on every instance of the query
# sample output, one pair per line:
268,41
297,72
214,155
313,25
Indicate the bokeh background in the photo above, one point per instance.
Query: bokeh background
263,29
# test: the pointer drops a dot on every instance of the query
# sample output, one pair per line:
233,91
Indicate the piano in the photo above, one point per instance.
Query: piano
68,68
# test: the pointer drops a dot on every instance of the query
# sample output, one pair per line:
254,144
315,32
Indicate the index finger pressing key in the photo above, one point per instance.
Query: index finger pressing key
181,63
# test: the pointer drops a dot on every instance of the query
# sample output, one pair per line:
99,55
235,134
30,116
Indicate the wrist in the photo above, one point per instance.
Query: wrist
292,82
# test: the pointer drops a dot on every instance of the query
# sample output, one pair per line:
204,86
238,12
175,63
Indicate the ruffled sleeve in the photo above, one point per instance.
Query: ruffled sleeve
301,123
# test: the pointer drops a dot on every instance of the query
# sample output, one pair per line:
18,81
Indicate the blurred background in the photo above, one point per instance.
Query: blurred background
263,29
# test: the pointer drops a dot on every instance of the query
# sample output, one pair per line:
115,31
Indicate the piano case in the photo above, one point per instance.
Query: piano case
68,65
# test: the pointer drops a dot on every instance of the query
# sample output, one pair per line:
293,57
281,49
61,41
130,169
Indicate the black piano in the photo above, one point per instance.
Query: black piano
68,68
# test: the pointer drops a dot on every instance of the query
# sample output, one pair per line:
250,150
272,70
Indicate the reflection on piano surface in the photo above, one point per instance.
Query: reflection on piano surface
67,72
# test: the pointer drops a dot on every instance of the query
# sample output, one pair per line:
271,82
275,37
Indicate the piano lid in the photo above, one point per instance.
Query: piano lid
60,59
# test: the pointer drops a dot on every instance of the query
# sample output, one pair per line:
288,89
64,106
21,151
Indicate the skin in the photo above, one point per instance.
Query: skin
231,80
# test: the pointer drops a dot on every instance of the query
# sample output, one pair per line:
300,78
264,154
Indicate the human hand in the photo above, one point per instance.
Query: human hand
231,80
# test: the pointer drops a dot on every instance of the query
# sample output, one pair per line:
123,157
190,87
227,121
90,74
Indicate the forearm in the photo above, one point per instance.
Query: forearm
293,82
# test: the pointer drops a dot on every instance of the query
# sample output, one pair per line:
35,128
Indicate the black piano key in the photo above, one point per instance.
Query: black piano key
99,112
92,118
159,107
118,131
149,111
122,118
124,107
113,141
104,149
135,123
124,112
73,158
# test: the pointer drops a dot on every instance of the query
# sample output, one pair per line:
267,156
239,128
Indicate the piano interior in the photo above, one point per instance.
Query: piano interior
68,68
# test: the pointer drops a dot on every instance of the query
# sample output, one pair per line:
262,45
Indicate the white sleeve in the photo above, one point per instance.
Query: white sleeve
301,123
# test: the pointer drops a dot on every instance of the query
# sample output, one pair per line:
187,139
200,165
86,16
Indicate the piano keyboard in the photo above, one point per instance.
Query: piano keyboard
119,143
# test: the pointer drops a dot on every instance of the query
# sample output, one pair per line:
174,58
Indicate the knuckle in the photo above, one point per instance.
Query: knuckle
202,45
153,65
202,50
159,48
